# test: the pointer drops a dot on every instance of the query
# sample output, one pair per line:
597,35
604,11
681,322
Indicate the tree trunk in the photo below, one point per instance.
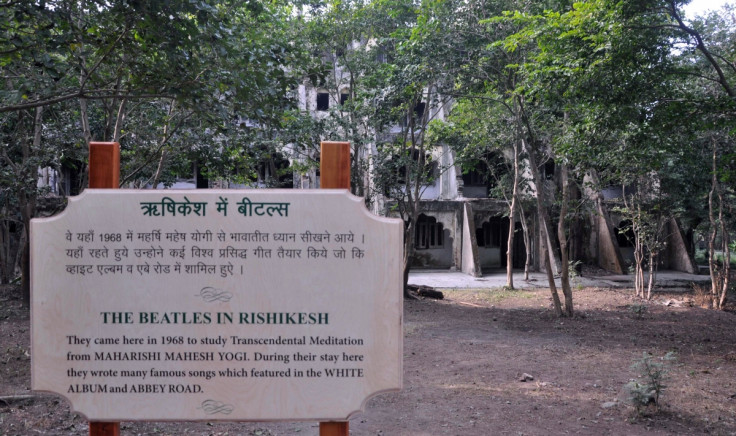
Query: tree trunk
514,198
512,223
725,249
726,263
638,267
541,210
408,253
27,203
164,151
715,274
562,238
7,255
652,273
544,224
527,243
119,121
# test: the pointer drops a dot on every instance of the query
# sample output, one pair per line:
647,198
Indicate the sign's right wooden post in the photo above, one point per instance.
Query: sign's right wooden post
334,171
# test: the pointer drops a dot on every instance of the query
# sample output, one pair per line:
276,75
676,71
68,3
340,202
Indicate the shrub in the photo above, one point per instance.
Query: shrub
638,310
644,392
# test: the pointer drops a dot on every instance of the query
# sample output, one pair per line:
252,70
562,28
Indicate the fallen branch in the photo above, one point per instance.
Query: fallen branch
426,291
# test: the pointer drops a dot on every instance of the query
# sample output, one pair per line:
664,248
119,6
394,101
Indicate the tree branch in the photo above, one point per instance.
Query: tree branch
80,94
700,44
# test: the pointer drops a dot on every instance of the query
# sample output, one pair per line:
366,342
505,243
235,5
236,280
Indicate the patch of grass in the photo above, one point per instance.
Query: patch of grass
701,257
490,295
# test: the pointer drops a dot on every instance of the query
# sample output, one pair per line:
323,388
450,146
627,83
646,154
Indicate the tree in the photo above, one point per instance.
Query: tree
174,67
706,49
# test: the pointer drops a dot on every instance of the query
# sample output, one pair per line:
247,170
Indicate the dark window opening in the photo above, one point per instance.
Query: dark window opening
429,233
344,97
200,175
489,234
275,172
474,178
419,110
71,178
490,167
431,167
323,101
625,234
549,169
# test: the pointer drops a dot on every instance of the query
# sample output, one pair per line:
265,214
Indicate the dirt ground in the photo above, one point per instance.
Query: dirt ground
464,358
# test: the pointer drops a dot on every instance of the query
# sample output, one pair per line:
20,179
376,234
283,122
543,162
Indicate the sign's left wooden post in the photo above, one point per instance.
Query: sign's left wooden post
104,173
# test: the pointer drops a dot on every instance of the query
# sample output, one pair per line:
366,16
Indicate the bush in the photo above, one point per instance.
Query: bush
644,392
638,310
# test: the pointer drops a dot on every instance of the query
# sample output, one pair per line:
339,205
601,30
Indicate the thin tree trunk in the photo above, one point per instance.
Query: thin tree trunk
544,224
510,245
639,269
726,268
119,121
408,253
514,198
652,274
562,238
512,223
726,265
27,203
527,243
541,210
712,265
164,152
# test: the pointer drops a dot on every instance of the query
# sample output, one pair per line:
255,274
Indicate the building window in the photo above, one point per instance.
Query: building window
344,96
489,234
275,171
419,110
625,234
429,233
415,116
549,169
486,170
474,178
429,167
323,101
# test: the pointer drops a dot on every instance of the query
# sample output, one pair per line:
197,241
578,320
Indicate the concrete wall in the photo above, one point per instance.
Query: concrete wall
490,257
436,257
475,191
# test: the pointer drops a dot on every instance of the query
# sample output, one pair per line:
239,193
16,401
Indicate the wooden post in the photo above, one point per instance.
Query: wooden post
334,166
104,165
104,173
334,428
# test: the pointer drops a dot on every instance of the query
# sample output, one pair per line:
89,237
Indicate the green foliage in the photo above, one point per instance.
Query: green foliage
644,392
627,91
638,311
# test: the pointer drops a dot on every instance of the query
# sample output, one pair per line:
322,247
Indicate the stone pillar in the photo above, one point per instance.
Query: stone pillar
470,260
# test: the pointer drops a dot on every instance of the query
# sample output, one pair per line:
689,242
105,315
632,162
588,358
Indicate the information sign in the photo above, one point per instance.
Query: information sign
216,305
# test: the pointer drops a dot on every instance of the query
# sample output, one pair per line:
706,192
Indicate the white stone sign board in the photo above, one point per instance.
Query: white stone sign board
216,305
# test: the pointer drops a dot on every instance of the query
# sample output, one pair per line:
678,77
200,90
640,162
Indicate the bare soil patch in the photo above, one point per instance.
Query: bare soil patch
464,358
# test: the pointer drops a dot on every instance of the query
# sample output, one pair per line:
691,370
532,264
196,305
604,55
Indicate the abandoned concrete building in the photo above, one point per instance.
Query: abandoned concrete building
461,226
